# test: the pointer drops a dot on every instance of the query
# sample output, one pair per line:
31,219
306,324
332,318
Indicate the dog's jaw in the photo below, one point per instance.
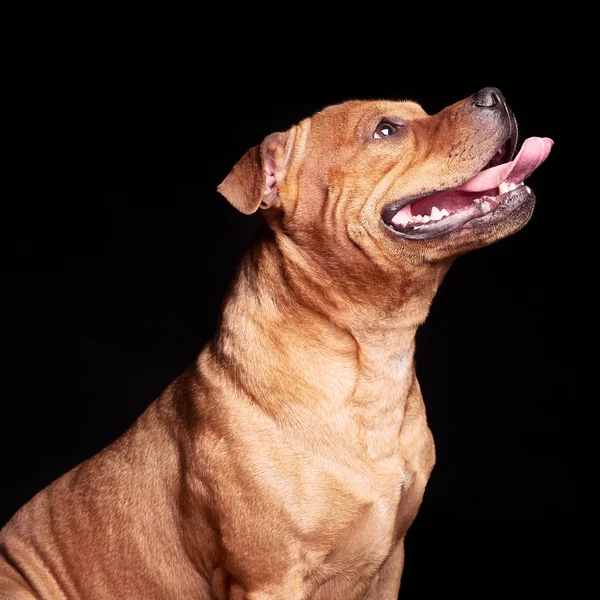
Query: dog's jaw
487,198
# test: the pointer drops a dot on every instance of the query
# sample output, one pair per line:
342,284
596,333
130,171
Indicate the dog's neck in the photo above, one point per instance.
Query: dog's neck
353,354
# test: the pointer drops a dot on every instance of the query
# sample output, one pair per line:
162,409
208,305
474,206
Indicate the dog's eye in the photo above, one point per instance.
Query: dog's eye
384,129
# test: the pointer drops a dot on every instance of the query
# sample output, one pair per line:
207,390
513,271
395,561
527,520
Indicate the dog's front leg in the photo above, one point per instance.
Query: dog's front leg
386,584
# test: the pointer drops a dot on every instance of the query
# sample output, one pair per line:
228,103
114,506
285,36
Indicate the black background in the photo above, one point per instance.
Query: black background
118,250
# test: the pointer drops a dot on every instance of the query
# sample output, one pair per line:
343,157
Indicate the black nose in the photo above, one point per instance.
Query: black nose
489,97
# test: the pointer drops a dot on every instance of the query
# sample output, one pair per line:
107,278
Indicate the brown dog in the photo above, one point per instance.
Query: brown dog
290,460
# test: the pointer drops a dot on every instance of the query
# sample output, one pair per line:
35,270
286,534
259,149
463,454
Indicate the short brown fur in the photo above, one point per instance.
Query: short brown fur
290,460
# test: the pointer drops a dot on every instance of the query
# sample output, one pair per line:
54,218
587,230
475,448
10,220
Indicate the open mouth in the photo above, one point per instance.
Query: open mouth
489,196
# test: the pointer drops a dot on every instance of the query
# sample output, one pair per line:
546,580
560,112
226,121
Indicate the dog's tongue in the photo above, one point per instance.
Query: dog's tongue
533,153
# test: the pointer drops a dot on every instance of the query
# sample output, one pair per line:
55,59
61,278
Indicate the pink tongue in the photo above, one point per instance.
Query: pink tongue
533,153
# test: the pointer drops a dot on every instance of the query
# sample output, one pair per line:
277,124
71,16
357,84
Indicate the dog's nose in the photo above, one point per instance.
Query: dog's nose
489,97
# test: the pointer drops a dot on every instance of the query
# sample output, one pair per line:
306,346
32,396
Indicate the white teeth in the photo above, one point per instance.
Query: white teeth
508,187
436,215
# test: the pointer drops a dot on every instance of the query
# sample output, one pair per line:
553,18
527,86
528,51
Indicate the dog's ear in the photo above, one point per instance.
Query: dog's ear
253,182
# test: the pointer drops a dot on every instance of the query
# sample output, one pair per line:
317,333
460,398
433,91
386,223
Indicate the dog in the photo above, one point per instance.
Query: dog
289,461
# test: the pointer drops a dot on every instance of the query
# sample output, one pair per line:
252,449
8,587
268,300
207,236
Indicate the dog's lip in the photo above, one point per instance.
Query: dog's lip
483,212
487,189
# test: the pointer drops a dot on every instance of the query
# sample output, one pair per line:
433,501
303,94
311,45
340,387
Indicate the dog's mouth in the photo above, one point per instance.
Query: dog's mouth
489,196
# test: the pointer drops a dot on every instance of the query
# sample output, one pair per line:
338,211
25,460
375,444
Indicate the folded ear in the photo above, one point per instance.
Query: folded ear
253,181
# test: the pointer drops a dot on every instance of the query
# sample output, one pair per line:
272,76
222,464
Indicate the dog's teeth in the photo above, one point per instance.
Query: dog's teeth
508,187
426,219
444,213
436,215
416,218
402,217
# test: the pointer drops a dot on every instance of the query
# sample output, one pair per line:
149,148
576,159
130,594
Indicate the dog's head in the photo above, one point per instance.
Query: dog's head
386,181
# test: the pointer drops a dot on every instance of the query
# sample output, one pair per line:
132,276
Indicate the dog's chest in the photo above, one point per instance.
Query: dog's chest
375,515
357,520
347,555
363,517
322,517
323,526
